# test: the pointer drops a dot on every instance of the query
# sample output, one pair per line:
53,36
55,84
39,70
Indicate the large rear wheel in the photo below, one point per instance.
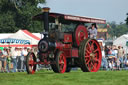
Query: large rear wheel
90,55
31,63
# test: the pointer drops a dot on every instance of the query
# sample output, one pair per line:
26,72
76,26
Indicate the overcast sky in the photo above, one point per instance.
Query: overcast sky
111,10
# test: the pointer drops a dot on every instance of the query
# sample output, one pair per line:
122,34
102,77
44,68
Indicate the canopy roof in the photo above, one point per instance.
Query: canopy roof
63,17
25,35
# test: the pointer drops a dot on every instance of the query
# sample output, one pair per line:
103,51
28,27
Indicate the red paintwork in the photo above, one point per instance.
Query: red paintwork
67,38
81,33
67,52
30,34
74,52
84,19
62,46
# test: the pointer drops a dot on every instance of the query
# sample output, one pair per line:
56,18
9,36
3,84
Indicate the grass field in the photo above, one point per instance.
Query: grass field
72,78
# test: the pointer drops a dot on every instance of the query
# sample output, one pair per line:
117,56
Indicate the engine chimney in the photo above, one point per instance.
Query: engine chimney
46,21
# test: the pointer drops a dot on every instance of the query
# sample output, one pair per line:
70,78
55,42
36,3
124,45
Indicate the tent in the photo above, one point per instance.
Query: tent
26,35
20,37
121,41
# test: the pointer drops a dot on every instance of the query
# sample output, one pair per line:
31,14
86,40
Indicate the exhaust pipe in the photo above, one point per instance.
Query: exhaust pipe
46,21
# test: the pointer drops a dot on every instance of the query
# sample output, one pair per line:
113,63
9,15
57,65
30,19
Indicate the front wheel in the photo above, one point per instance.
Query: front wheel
60,62
31,63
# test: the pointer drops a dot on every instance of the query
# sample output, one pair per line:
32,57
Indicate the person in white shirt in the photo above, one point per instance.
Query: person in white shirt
14,60
24,54
93,31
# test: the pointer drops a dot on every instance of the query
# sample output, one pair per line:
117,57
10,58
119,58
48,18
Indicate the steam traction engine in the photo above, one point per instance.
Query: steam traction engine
66,44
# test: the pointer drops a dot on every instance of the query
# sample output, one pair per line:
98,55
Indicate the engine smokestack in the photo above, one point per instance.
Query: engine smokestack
46,21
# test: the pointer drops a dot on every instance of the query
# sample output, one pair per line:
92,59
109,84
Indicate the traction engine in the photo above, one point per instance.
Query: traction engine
65,44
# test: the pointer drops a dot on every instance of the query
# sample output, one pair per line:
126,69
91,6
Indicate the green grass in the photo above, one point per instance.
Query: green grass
72,78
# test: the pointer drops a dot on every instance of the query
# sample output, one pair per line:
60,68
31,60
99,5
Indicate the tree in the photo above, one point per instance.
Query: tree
117,29
17,14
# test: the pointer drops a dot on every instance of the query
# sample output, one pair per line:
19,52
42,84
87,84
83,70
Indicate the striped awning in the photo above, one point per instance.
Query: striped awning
12,40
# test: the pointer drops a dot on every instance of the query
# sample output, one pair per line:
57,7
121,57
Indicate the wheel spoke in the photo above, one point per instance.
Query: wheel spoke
87,51
90,66
61,62
92,46
88,61
61,67
96,60
96,50
87,56
96,55
89,47
93,66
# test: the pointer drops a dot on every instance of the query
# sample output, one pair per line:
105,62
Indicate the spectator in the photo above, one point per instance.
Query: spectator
120,55
18,59
126,62
14,61
106,51
22,60
104,60
4,59
8,61
93,31
111,58
24,54
1,57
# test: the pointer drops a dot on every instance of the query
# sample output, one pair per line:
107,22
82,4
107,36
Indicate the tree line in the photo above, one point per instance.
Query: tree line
17,14
116,30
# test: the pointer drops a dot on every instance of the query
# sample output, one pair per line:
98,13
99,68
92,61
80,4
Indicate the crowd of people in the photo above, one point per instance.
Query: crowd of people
114,57
13,59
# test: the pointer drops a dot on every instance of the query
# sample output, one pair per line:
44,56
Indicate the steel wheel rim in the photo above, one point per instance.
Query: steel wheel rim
92,55
62,63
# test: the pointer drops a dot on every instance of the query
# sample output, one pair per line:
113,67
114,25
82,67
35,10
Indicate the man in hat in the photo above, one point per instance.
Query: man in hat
93,31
